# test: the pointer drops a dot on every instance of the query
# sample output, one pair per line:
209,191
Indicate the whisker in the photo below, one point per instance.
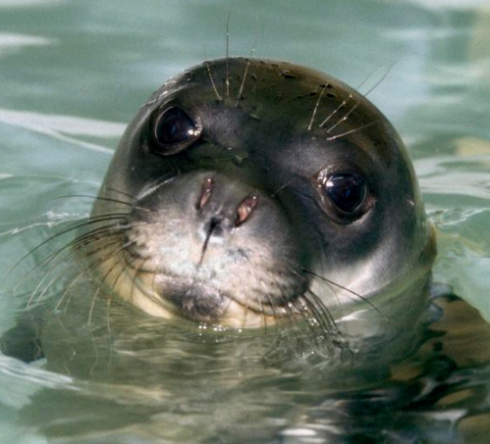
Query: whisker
336,110
41,283
44,264
298,302
305,314
317,104
220,99
99,288
312,323
264,318
97,263
119,192
383,77
90,221
228,55
108,315
247,309
286,316
74,244
245,74
344,102
67,290
96,294
282,187
153,281
338,136
321,314
105,199
97,357
113,286
36,290
345,117
155,185
136,272
357,295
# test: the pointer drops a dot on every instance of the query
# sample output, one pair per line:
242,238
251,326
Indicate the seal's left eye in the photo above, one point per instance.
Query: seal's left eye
174,130
346,191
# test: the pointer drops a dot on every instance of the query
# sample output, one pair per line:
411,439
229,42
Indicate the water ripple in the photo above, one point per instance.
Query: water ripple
62,127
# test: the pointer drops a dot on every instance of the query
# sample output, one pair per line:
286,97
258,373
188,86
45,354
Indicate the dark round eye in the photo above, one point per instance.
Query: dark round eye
346,191
174,130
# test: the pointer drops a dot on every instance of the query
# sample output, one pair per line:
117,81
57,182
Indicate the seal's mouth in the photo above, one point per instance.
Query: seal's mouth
198,297
176,297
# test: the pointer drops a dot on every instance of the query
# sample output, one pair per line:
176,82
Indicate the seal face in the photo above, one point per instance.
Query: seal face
249,191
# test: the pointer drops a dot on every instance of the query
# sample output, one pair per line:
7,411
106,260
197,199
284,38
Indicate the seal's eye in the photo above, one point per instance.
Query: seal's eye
175,130
346,191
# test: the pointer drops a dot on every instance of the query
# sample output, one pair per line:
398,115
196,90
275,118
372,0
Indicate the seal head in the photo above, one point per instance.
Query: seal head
246,192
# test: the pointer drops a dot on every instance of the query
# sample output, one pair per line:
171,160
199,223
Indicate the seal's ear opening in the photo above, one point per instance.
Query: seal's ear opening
173,131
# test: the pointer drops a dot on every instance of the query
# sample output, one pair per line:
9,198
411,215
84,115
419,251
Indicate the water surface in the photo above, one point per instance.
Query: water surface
72,75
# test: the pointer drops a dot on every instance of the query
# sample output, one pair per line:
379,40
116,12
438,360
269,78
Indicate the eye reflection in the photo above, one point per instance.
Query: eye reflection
173,129
346,191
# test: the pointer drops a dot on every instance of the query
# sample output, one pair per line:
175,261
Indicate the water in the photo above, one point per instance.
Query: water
73,73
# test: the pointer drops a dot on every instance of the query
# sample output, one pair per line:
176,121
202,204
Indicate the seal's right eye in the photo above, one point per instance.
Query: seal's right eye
174,130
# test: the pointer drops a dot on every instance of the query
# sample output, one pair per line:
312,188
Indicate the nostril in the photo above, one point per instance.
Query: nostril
245,209
206,191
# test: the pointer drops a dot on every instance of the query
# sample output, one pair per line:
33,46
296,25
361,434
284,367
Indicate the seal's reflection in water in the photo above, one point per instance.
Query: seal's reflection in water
284,211
139,378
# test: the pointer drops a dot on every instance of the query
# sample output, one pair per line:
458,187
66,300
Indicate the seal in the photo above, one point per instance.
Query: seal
248,192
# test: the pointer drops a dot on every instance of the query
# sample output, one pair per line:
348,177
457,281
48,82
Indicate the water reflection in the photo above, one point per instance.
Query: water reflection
139,377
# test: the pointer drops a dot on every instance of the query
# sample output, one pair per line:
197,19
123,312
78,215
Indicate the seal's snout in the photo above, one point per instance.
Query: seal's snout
206,247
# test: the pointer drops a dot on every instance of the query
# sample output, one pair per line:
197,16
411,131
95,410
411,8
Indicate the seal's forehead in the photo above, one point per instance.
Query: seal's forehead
263,89
270,89
235,78
281,98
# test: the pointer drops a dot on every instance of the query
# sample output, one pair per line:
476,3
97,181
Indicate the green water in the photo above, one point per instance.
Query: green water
72,73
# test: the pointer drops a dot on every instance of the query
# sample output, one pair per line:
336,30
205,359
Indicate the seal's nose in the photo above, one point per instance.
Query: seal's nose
219,204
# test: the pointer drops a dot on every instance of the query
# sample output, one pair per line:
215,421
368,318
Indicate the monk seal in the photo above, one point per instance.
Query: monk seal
249,192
